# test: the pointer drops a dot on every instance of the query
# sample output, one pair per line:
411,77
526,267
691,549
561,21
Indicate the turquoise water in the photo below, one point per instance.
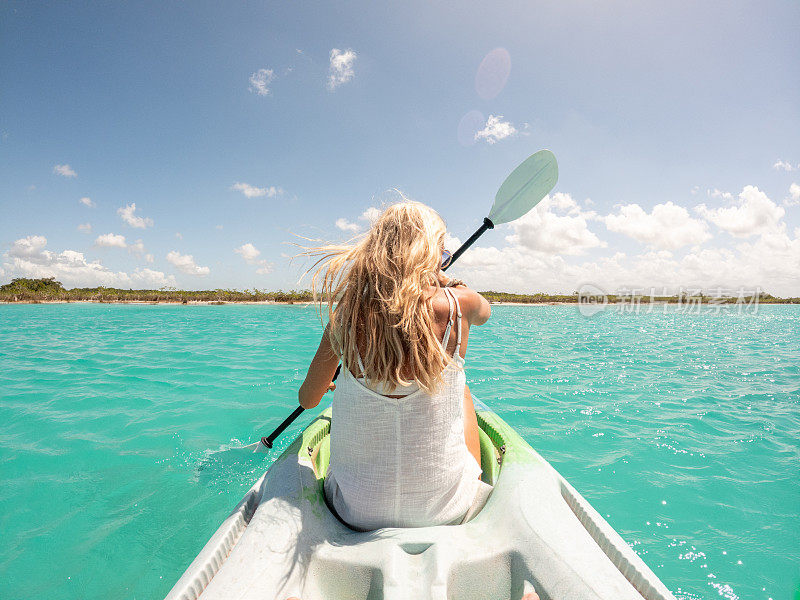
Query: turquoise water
681,428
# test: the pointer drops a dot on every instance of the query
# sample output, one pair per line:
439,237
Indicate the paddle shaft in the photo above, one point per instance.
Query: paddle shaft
487,224
267,441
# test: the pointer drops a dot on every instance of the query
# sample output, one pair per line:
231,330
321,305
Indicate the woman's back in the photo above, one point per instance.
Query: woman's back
412,460
403,462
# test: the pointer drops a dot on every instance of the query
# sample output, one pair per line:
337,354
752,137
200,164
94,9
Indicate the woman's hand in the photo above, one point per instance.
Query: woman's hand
445,281
319,379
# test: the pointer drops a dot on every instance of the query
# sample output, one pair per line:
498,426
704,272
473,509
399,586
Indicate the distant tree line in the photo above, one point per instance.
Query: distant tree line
49,290
680,298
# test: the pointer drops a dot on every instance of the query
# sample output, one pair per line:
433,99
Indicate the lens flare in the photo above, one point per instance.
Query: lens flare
493,73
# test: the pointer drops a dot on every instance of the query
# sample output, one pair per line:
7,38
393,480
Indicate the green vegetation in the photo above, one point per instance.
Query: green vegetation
50,290
539,298
682,298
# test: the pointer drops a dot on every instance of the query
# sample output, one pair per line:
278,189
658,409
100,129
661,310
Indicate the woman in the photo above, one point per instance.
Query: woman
404,436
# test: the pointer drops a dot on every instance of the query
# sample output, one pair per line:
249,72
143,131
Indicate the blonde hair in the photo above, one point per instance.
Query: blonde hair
375,289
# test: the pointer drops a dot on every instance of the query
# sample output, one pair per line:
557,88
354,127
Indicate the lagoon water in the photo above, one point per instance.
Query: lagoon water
681,428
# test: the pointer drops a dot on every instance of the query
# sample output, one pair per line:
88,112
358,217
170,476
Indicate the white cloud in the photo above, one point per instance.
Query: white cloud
496,129
341,67
86,201
127,214
260,80
667,227
111,240
517,269
562,202
28,247
250,255
451,242
248,252
369,216
543,230
715,193
754,214
64,171
265,268
769,261
28,257
185,263
178,235
794,195
346,225
251,191
151,278
136,248
149,258
85,227
785,166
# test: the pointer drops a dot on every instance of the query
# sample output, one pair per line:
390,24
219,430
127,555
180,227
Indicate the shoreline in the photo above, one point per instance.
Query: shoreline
309,303
49,291
154,302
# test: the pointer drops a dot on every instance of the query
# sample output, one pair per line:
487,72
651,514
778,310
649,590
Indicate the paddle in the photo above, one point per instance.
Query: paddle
521,191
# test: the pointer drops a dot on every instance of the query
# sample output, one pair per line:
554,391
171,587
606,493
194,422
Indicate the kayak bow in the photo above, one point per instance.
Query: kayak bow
535,530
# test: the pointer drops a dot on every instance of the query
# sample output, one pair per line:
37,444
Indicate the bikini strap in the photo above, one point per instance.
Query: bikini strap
458,334
453,299
446,336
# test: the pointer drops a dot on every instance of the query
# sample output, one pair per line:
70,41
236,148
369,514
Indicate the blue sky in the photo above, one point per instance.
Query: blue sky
676,126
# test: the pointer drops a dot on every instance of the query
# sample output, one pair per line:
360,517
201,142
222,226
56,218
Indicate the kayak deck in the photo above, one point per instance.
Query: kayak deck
535,531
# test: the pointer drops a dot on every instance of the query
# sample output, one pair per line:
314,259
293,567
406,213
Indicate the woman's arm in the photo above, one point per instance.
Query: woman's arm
475,307
320,373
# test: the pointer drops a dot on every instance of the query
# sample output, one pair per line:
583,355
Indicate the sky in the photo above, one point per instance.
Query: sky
200,145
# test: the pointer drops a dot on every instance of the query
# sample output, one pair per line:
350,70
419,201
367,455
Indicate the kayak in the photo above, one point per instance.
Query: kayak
534,532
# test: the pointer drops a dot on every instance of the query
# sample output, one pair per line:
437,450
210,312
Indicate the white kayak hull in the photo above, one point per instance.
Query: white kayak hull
535,532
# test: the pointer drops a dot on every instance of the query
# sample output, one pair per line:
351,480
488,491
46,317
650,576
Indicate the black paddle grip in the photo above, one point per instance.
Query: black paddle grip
268,440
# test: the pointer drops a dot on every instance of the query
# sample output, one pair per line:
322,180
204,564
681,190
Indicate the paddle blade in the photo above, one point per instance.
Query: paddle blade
525,187
219,462
257,448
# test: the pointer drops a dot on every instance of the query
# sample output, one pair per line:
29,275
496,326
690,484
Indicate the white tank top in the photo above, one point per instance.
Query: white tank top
402,462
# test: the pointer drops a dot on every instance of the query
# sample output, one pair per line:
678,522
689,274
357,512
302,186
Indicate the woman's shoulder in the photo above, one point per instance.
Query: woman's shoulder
473,306
469,300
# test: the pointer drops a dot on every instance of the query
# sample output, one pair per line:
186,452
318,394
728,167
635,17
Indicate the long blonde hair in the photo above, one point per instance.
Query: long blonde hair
375,289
